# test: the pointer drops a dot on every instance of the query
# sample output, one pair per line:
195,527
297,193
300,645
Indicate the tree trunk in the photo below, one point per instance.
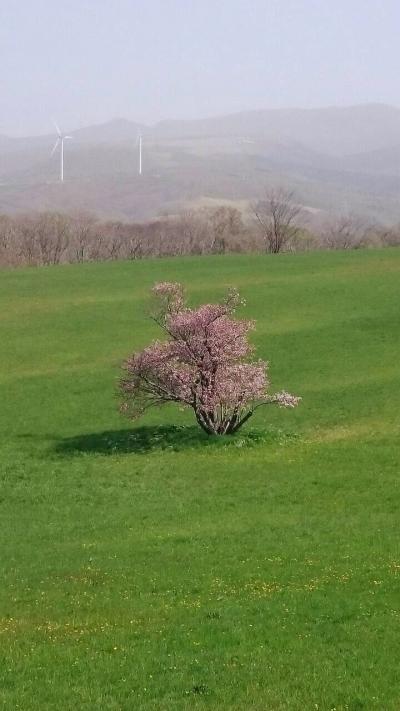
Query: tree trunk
213,426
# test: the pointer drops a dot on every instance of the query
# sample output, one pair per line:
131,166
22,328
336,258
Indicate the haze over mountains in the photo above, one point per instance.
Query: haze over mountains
337,159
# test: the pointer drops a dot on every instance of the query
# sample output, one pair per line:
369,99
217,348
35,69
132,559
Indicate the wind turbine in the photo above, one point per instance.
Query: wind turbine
61,137
139,142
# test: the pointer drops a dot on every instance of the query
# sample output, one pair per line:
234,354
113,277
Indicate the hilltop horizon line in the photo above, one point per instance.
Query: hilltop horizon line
123,120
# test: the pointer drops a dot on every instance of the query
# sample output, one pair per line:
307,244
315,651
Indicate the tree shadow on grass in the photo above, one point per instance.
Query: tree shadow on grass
173,438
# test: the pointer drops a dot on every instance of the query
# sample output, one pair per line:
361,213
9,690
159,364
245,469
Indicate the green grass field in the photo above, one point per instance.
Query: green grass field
149,567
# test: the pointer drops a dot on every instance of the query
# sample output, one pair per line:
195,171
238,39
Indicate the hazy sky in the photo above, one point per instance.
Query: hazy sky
86,61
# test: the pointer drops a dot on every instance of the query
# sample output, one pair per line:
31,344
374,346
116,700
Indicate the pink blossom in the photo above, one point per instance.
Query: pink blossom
204,364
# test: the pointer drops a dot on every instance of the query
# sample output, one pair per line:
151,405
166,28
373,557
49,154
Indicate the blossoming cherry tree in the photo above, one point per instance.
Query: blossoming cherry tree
204,364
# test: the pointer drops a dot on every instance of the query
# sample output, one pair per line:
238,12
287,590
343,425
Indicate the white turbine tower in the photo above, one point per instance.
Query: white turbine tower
139,142
61,137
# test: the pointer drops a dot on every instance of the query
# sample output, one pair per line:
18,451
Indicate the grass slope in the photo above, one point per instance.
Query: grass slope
153,568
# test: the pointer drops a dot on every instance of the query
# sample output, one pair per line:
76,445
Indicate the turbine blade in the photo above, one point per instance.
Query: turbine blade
55,146
57,127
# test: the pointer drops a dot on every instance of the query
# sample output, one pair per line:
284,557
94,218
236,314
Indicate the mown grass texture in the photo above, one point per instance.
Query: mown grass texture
150,567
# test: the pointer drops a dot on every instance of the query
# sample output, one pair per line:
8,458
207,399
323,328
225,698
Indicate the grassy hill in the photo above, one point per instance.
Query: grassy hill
151,568
336,159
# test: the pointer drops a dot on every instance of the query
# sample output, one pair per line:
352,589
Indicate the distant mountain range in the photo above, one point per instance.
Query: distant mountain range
337,159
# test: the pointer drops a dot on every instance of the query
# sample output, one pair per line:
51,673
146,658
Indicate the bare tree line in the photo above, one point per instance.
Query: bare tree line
277,223
286,226
48,238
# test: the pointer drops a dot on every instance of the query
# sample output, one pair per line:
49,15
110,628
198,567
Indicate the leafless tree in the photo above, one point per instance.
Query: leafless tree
133,246
82,228
26,240
8,255
225,225
190,231
276,217
345,232
389,236
113,233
